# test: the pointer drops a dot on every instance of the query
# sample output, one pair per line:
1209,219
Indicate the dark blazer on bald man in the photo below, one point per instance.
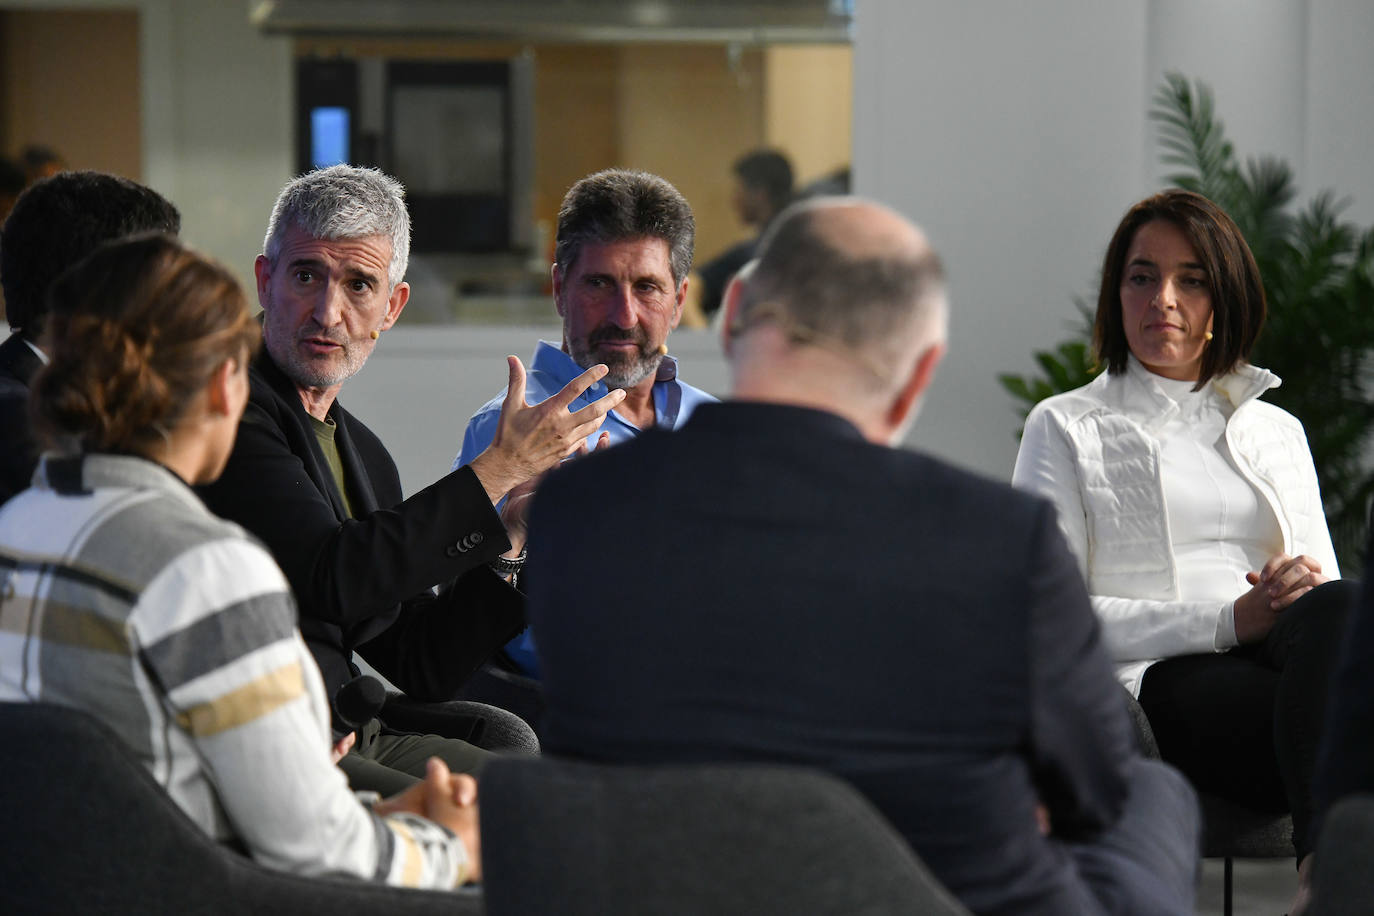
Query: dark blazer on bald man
786,591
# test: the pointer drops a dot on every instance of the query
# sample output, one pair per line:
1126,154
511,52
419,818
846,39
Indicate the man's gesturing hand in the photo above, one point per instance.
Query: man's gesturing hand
530,440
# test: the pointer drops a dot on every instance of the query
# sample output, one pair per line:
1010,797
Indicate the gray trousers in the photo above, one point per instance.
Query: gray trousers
388,763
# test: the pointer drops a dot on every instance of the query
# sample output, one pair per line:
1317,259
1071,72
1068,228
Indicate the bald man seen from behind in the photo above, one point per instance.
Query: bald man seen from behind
822,597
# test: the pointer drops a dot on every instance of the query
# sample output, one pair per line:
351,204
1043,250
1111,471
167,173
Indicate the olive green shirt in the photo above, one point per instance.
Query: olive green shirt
324,435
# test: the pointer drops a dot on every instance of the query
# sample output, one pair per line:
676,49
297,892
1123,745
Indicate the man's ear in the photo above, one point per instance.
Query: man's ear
556,273
909,395
262,273
680,298
395,303
729,304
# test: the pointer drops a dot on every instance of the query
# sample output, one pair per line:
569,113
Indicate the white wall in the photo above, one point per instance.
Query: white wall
1017,134
216,117
1339,136
217,111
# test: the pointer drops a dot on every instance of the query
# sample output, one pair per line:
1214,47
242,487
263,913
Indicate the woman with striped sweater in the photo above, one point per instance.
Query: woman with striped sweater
122,595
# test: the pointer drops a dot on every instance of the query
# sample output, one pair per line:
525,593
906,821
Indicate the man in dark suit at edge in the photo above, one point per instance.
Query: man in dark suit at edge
814,596
55,223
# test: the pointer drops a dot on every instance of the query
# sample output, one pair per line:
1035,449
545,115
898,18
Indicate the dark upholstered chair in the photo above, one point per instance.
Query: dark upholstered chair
498,684
1229,831
584,839
1341,881
87,830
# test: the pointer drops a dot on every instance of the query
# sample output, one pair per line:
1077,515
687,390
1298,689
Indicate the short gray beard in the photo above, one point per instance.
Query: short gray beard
629,376
305,374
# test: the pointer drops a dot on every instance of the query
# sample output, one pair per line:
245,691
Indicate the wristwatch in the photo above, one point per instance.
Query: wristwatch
509,566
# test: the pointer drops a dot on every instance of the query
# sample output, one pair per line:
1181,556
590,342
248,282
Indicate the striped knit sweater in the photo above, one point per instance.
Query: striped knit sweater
122,595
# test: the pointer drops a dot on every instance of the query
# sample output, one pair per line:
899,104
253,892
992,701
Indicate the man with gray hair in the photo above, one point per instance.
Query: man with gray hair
831,600
622,255
319,488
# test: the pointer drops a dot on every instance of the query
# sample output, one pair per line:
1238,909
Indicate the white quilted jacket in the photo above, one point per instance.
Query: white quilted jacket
1094,453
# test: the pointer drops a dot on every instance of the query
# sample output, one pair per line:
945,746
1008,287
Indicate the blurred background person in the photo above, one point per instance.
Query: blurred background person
833,183
763,187
40,162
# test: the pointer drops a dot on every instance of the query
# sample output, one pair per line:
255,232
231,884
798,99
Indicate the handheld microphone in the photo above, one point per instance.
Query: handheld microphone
357,702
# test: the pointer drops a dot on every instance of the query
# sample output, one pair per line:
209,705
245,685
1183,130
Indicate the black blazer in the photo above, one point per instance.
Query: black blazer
19,452
365,584
764,584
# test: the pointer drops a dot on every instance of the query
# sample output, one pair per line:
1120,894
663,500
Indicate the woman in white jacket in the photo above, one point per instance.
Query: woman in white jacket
1194,511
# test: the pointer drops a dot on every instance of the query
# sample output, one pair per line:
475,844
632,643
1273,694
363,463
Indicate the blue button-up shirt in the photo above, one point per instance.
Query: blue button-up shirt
549,371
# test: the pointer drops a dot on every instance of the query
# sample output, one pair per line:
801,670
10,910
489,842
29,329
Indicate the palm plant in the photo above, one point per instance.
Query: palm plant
1318,274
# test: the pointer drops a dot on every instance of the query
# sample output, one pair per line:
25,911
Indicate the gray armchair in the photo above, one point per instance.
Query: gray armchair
585,839
88,830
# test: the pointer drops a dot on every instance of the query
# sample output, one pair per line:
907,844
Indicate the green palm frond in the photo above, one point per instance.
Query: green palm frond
1260,209
1193,139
